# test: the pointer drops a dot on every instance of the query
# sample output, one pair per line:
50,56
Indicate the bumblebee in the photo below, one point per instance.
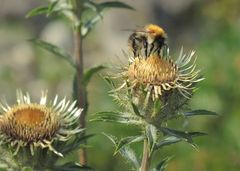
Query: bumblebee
150,40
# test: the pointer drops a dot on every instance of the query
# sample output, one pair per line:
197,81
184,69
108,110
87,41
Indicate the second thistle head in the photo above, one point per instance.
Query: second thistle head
163,81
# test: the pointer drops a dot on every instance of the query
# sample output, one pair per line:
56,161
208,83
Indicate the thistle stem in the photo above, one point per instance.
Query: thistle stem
81,94
145,165
80,89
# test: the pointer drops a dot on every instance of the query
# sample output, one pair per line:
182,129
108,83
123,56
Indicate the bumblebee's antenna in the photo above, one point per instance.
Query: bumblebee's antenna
132,30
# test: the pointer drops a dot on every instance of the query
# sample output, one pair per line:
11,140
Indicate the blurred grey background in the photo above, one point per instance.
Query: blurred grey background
211,28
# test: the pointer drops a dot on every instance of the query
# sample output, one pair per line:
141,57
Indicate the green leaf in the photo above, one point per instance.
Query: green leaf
71,16
116,117
127,141
37,11
135,110
162,165
71,166
196,134
151,133
51,7
90,5
199,112
78,141
130,156
167,141
112,138
88,75
59,52
125,151
157,107
114,4
186,136
89,25
110,82
43,10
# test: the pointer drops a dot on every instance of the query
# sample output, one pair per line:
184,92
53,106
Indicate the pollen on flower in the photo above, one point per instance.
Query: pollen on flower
153,70
30,116
156,73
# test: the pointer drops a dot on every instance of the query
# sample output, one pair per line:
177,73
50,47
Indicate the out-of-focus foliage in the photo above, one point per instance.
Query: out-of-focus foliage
209,27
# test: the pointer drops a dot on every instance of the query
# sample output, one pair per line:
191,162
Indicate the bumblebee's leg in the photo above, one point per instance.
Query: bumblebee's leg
159,45
145,46
135,49
158,49
132,44
138,44
165,50
137,52
151,49
146,49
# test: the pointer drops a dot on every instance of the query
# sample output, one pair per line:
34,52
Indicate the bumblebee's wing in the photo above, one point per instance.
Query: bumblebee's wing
135,43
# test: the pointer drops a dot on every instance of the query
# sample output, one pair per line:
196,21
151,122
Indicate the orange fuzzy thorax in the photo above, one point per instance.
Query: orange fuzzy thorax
154,30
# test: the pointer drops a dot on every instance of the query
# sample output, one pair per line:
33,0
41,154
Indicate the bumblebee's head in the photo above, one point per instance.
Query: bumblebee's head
155,31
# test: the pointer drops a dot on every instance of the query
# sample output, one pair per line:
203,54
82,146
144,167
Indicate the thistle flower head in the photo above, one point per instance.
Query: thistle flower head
157,78
159,75
33,125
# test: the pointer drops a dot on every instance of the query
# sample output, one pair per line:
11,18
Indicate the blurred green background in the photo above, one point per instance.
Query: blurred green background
211,27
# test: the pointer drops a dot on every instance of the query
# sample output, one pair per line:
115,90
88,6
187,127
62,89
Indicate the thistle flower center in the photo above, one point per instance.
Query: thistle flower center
30,117
154,71
30,123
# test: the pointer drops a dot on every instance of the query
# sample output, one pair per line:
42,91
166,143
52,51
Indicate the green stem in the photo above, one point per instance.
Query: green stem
80,91
146,159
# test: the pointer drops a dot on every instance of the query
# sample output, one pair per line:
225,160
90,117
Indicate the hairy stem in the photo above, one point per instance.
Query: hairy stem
145,165
80,89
